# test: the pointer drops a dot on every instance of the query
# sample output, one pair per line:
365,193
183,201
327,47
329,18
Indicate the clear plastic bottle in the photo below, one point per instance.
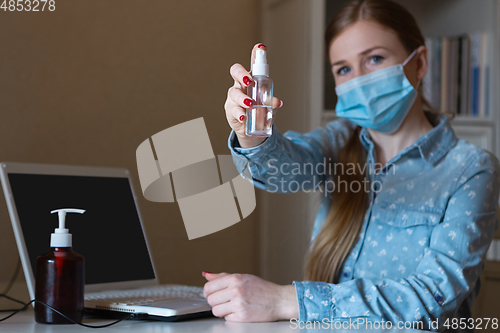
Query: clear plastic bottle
260,115
60,278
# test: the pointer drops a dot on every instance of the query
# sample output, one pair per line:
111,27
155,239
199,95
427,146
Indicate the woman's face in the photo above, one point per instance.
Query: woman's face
366,47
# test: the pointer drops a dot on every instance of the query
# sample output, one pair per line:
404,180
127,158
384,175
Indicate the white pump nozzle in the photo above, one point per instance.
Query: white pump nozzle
61,236
260,66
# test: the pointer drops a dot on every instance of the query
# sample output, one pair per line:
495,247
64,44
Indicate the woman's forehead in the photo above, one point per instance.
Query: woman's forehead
361,36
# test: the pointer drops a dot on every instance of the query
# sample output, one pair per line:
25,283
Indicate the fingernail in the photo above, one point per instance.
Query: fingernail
247,80
203,273
248,102
242,117
261,46
281,104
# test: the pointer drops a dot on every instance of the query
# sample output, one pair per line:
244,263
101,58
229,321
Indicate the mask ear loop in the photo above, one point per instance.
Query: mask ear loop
409,58
406,61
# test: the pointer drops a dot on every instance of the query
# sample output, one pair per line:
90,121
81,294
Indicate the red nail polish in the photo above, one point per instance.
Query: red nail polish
242,117
207,272
247,80
248,102
261,46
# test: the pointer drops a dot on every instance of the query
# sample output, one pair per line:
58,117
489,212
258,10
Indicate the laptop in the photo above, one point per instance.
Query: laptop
120,276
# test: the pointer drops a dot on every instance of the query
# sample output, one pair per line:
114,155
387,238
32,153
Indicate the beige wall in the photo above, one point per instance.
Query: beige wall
87,83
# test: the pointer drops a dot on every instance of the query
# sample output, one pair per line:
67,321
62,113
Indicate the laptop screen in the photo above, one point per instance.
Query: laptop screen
108,235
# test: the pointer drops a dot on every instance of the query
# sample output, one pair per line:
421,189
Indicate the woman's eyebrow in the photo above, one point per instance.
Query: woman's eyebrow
360,54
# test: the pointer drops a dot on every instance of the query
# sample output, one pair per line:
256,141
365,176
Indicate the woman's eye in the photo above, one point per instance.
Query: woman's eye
376,59
344,70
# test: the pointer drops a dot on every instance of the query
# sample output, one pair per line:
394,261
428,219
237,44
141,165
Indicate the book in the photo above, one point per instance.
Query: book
464,74
483,74
427,90
445,55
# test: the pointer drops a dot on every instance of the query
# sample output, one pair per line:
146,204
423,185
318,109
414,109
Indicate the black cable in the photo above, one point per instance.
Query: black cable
13,300
56,311
9,286
25,305
13,278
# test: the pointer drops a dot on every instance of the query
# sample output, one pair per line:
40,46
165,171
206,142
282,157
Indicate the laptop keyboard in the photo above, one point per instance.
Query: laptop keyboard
146,295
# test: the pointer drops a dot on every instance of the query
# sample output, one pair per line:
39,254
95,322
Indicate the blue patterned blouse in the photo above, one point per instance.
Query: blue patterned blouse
421,250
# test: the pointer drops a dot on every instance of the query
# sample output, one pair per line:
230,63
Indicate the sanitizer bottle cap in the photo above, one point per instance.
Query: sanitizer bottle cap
61,236
260,66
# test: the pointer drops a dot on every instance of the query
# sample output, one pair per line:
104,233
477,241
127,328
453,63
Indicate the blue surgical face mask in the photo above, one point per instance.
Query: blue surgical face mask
379,100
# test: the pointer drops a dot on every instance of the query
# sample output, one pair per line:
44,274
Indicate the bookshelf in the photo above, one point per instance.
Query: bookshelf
458,74
293,31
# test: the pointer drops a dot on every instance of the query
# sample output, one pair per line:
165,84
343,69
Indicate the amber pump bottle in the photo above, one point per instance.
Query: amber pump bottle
60,277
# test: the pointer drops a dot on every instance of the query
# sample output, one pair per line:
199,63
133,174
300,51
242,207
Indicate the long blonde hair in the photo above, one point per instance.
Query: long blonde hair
343,223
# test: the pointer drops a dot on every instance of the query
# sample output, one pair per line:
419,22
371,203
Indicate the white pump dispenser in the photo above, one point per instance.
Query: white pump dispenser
61,236
260,66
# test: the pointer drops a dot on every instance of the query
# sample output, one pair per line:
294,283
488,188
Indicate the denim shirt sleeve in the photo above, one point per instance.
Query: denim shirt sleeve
446,274
289,162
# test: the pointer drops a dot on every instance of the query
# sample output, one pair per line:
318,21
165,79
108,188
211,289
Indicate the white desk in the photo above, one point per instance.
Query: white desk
24,322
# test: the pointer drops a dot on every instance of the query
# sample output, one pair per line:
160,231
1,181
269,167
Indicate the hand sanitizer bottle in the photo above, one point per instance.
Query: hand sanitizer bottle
60,278
260,115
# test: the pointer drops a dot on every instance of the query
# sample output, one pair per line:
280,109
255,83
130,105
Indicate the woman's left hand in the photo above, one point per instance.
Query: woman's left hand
248,298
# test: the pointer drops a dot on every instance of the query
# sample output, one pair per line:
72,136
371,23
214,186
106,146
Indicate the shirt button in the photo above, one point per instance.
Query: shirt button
345,274
439,298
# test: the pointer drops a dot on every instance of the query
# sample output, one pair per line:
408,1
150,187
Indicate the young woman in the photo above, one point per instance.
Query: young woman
409,247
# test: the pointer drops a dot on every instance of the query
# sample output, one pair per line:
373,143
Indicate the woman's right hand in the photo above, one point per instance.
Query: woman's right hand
238,101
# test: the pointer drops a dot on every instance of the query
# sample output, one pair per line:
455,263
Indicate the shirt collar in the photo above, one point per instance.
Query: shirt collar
432,146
